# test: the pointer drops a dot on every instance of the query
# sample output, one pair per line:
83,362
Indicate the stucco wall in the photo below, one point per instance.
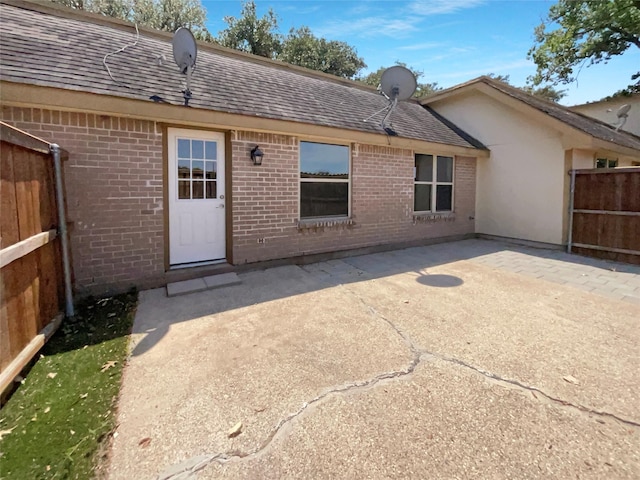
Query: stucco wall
520,188
606,112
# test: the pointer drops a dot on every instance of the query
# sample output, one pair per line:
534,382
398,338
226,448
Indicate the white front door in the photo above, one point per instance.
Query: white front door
196,196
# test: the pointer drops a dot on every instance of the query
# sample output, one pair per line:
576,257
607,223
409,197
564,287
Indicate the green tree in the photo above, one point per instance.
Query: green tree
588,32
252,34
303,48
166,15
422,89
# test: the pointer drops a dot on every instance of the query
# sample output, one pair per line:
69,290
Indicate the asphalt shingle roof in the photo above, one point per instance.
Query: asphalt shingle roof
49,50
581,122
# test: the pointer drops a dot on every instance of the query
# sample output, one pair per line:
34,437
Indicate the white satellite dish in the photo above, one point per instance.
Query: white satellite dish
622,114
185,52
396,83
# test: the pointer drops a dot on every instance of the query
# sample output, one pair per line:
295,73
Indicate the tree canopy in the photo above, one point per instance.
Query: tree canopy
261,36
165,15
304,49
422,89
251,34
588,32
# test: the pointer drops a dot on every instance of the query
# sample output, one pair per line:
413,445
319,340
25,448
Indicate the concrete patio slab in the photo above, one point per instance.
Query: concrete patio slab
436,361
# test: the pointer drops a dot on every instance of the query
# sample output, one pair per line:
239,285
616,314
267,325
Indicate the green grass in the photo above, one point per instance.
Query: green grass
63,413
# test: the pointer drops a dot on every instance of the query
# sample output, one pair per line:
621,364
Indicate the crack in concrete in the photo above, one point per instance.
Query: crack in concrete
490,375
188,470
530,388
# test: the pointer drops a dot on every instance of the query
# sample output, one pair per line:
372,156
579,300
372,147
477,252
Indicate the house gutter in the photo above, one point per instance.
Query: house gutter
64,235
572,193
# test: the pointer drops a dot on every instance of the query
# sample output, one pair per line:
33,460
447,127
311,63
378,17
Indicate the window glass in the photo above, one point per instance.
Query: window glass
211,190
422,198
443,197
198,189
211,150
320,160
601,163
433,184
424,168
184,148
445,169
613,163
324,199
184,189
184,169
197,169
197,149
211,170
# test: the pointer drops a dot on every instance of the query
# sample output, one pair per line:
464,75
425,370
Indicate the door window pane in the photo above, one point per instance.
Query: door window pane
197,149
422,198
184,189
424,168
445,169
211,170
184,169
197,169
320,160
211,189
198,189
210,150
444,197
184,148
324,199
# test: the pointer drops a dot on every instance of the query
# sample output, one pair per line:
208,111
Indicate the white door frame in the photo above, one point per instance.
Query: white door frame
196,196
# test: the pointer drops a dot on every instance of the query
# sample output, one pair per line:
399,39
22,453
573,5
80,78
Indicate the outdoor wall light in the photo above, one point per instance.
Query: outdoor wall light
256,155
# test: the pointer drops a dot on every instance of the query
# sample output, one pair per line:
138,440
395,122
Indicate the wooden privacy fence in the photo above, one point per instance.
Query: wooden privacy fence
32,285
605,214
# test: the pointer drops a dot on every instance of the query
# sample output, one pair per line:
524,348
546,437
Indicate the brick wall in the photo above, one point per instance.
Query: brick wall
114,186
113,182
265,201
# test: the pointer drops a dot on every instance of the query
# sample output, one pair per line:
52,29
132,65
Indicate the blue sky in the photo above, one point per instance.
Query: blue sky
451,41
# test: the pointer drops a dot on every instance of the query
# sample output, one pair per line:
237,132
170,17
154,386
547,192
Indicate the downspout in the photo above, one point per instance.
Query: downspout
572,191
64,239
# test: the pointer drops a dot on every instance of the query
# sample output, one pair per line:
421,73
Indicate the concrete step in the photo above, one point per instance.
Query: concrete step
199,284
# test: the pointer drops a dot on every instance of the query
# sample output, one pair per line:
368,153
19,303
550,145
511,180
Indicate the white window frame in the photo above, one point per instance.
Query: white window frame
434,183
608,162
324,180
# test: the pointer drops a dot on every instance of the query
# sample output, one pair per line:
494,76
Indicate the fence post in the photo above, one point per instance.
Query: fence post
572,192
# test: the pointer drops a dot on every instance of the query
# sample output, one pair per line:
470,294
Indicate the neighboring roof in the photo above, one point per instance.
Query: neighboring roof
65,49
632,98
575,120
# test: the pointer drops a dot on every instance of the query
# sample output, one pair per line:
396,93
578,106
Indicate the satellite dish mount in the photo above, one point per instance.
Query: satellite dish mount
185,51
396,83
622,114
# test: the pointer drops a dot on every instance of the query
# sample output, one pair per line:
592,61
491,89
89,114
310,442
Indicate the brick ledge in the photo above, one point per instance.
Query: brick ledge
325,223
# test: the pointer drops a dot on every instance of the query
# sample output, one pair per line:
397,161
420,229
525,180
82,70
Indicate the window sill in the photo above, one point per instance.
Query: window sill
316,223
433,217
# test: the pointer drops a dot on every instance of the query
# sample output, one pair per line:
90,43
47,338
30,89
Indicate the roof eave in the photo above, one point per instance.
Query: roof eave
574,137
35,96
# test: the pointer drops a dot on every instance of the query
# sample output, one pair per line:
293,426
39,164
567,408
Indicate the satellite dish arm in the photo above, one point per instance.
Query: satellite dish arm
391,108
